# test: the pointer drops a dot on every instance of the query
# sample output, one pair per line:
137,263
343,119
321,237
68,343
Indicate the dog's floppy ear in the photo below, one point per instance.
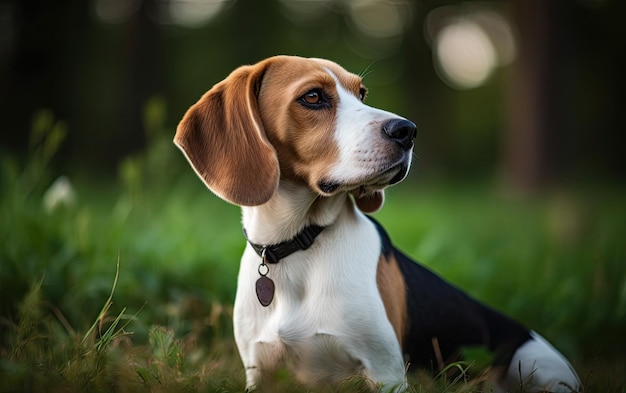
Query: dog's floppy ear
370,203
224,140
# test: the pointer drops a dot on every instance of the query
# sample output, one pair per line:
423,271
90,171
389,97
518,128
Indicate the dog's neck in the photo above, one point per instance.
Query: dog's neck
292,208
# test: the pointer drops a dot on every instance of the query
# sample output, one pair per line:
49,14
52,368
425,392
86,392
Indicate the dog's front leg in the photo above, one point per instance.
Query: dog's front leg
253,378
388,381
261,362
384,366
260,353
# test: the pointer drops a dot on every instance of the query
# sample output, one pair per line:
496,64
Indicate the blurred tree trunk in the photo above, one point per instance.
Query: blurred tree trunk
533,145
141,79
257,24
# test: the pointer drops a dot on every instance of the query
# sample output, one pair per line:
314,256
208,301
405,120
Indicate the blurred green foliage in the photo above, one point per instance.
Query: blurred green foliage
150,217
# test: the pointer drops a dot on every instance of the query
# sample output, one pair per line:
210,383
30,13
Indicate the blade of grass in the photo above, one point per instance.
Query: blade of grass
107,304
113,331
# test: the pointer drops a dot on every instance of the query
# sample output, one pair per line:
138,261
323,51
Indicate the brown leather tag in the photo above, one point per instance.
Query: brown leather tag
265,290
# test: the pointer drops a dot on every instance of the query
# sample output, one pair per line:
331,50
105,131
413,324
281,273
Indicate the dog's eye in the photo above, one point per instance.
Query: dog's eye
314,99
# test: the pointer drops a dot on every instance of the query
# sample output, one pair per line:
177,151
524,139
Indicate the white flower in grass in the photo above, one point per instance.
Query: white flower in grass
59,194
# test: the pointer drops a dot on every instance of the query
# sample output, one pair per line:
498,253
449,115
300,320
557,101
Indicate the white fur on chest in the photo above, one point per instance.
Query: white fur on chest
327,317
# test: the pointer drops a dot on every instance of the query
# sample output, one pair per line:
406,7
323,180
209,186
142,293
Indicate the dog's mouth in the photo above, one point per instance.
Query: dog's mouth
328,187
403,171
366,185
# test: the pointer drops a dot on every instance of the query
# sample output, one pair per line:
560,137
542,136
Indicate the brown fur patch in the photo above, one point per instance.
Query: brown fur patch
392,289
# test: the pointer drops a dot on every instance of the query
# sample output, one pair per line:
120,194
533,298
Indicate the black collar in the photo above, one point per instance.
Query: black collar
276,252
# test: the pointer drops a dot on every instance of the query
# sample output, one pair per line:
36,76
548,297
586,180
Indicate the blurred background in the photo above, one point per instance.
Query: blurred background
516,194
530,90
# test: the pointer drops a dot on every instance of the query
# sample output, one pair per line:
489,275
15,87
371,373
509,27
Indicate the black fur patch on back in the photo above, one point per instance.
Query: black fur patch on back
439,310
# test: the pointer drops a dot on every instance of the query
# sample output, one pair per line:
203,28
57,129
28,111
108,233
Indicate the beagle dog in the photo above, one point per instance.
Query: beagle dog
321,289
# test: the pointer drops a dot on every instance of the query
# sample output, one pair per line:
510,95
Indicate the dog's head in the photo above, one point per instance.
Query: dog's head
300,120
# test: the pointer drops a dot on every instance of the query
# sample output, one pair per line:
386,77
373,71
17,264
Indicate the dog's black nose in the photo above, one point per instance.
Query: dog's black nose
401,131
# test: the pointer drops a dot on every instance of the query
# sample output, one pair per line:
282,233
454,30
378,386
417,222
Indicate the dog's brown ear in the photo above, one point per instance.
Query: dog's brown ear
224,140
370,203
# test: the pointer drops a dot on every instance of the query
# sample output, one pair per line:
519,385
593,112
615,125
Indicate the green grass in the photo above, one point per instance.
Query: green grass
130,286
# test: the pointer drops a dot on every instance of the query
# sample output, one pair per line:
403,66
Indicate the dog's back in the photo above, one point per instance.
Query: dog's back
442,320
